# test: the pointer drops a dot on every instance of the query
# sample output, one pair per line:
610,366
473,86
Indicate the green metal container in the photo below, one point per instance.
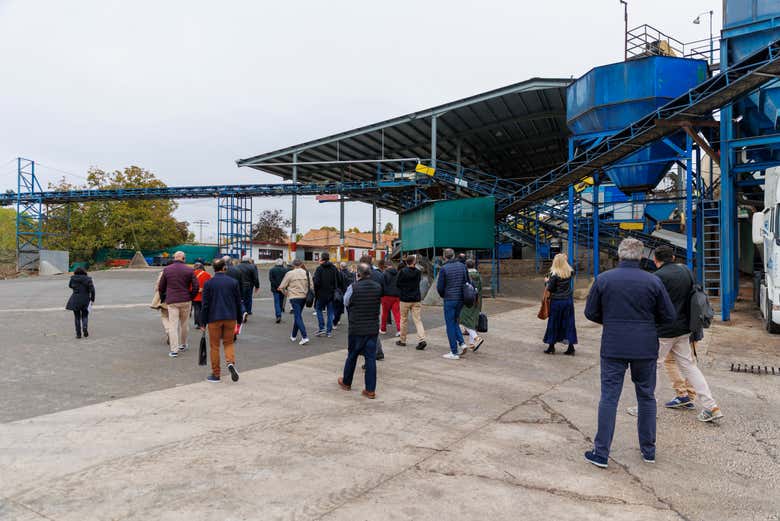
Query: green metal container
462,223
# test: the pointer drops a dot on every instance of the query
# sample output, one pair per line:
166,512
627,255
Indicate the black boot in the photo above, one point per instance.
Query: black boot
570,350
550,349
86,333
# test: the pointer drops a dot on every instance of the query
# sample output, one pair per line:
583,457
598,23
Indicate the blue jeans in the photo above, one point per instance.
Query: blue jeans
613,370
361,345
278,304
298,304
452,309
246,299
321,306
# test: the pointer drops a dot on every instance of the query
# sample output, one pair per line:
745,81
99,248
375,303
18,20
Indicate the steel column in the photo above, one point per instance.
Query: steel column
294,220
595,245
570,249
689,201
433,140
700,220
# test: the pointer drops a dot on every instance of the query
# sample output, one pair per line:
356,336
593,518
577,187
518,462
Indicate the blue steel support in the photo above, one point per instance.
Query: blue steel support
689,201
294,220
29,216
572,235
433,141
699,220
595,243
728,202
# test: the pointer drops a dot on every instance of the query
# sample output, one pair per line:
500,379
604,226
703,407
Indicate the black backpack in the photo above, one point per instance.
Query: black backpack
701,312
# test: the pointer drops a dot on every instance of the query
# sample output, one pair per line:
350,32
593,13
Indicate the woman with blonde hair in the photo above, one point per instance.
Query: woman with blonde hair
560,324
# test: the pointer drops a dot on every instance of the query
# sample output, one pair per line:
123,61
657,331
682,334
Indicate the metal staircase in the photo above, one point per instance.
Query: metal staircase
711,248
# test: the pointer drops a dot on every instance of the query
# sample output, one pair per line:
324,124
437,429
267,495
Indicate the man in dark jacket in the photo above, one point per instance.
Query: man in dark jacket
221,311
376,276
347,278
362,299
390,298
629,303
275,276
179,285
327,282
232,271
408,284
250,282
452,277
674,337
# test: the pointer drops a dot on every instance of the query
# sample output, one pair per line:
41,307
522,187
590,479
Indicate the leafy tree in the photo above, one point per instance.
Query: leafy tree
329,228
7,229
270,226
298,237
388,228
135,224
354,229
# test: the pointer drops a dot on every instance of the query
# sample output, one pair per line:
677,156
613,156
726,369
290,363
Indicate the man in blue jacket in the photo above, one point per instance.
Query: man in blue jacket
452,276
221,311
629,303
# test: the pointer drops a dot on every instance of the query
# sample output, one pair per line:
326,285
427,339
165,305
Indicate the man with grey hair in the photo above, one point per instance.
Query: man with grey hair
275,276
179,285
629,303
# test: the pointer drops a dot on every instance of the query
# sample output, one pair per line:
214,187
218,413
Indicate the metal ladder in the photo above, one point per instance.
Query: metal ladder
711,278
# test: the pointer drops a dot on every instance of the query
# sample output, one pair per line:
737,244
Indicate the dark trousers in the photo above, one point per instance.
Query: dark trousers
278,303
361,345
452,309
246,299
298,325
197,306
613,371
338,311
80,319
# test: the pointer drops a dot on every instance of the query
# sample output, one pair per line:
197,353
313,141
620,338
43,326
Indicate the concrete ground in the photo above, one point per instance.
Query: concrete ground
110,428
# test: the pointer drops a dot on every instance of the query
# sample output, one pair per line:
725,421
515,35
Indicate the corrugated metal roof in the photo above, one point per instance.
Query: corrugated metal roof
516,132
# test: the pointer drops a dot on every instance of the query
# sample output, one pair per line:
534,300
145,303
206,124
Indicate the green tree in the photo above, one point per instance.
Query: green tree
7,229
329,228
388,228
135,224
354,229
270,226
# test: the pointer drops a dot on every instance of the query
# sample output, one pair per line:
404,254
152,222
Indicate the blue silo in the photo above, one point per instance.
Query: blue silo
609,98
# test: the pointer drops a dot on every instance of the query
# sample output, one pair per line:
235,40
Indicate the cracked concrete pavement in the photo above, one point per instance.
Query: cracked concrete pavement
497,435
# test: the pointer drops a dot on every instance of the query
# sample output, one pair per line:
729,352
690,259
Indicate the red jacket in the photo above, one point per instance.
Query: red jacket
203,276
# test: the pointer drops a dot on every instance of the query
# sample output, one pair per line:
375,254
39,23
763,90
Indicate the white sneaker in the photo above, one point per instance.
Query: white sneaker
450,356
633,410
461,349
398,333
293,339
183,347
304,341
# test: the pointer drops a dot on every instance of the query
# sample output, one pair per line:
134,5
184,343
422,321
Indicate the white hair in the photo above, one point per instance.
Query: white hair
179,255
630,249
279,261
246,258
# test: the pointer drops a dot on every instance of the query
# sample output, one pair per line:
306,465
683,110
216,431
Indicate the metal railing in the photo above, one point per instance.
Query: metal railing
646,40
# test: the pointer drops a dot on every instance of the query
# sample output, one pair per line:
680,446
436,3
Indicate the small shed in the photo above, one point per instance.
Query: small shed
462,224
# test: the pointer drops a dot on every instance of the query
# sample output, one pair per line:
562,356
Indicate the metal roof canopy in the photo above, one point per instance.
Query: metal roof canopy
516,132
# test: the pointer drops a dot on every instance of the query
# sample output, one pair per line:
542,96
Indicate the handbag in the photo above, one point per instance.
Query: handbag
482,323
309,292
469,292
202,350
544,309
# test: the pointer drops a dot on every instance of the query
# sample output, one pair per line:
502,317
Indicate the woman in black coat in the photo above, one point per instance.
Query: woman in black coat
83,295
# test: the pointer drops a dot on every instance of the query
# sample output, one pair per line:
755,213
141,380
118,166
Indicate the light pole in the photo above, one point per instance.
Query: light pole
697,21
200,223
625,34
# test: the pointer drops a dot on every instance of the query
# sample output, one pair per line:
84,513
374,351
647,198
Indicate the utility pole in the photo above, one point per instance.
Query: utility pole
201,223
625,34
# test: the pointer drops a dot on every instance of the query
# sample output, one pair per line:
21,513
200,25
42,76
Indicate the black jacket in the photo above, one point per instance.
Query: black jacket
234,272
221,299
389,288
327,279
83,292
364,308
249,275
560,289
408,284
347,278
276,275
678,282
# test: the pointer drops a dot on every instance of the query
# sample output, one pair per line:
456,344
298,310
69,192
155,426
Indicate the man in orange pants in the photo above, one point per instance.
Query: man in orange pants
221,312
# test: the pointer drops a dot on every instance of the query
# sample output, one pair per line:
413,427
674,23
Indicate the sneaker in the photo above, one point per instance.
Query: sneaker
321,332
183,347
400,343
78,335
213,379
450,356
293,339
330,335
173,354
335,327
86,334
243,319
648,459
478,343
382,332
422,345
461,349
680,402
233,372
708,415
304,341
398,333
380,356
591,457
278,319
633,410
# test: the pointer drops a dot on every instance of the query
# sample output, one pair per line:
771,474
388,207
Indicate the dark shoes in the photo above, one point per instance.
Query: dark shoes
600,462
343,385
380,356
399,343
78,335
550,350
86,334
233,372
368,394
422,345
213,379
278,319
570,350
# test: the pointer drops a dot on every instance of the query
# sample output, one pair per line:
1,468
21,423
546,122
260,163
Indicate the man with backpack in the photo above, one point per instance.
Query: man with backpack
675,337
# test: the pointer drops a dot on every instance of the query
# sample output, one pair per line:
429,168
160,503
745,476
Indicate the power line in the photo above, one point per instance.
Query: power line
201,223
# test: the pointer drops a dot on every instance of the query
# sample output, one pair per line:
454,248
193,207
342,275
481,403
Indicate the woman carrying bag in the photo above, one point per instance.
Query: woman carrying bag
469,317
560,324
82,297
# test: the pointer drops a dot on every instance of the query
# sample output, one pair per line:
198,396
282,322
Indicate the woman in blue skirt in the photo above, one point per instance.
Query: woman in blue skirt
560,324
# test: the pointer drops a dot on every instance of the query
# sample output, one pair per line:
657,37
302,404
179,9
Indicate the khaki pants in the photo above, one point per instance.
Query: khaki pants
415,308
681,386
221,330
178,324
680,347
165,321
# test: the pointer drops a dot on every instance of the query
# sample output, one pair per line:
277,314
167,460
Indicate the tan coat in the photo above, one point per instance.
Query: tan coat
294,283
157,303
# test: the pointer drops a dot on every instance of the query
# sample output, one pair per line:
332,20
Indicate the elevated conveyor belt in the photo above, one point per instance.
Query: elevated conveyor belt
743,77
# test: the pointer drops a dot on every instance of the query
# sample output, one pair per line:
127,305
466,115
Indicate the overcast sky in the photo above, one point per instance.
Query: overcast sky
183,88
